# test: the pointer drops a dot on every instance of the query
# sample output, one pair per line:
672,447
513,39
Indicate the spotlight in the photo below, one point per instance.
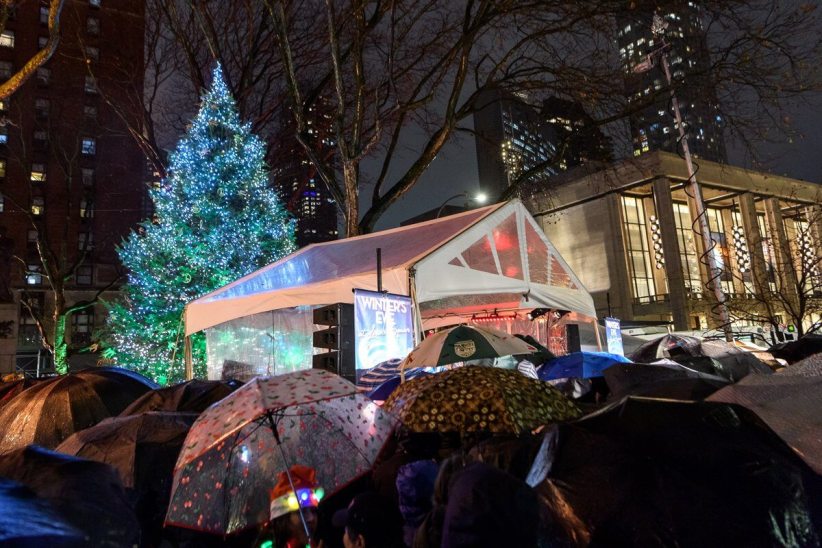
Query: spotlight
536,313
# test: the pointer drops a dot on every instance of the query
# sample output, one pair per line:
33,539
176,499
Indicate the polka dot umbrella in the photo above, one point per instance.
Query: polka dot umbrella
235,450
478,399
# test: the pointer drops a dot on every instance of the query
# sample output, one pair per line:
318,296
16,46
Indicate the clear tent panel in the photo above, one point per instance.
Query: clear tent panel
268,343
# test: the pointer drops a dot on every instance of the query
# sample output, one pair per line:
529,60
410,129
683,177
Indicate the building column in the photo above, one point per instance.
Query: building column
813,214
782,249
750,224
664,205
704,271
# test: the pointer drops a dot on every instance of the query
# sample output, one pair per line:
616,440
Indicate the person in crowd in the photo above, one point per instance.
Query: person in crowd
429,532
370,521
294,510
415,487
488,507
410,446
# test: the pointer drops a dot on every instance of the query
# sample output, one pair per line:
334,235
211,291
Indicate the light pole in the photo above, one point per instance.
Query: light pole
658,29
479,198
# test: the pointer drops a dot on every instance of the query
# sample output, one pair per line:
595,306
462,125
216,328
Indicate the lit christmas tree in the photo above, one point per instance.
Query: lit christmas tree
216,220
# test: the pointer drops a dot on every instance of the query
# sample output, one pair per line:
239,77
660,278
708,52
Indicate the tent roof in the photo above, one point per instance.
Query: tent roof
466,253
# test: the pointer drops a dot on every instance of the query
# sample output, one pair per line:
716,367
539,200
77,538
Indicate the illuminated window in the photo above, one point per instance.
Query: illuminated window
44,15
90,111
687,248
38,173
638,250
38,205
42,41
4,135
31,236
89,147
33,275
92,53
94,3
7,39
86,209
2,168
5,69
2,203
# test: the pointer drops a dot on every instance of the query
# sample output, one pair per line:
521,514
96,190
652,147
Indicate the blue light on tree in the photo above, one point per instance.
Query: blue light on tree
216,220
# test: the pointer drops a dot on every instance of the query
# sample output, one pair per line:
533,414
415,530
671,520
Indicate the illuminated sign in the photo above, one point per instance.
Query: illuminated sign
613,334
383,327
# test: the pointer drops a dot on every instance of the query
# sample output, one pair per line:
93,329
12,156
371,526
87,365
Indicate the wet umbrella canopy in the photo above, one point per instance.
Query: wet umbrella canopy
141,447
465,342
88,494
582,365
28,521
648,472
50,411
475,398
188,397
791,406
231,456
9,390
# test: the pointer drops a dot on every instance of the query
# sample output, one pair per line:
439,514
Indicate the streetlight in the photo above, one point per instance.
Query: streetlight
658,27
479,198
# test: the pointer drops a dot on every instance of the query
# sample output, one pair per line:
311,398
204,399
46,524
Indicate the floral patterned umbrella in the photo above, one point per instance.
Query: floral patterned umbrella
234,451
476,398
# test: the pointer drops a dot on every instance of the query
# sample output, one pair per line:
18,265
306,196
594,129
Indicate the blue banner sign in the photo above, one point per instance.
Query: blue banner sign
383,327
613,334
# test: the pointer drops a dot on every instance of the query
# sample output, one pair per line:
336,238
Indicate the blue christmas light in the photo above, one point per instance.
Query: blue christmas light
216,220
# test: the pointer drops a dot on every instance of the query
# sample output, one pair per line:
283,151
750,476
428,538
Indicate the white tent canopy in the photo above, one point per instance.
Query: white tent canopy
495,257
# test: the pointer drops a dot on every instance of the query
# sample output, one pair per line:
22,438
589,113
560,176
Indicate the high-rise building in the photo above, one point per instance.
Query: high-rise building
652,125
71,176
511,139
299,184
579,139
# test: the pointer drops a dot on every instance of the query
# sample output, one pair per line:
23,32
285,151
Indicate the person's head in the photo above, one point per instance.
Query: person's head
489,507
415,488
288,503
370,521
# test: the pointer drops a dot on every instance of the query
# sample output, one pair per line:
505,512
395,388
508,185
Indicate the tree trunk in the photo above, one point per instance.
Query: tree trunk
59,345
352,209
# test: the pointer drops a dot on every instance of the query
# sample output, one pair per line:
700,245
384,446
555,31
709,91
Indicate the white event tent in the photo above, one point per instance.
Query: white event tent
490,260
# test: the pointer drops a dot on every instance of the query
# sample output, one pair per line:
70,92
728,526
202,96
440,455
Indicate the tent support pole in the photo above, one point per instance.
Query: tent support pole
596,334
187,355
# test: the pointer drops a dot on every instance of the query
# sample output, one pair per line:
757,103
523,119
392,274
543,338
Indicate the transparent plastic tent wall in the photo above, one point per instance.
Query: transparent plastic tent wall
471,263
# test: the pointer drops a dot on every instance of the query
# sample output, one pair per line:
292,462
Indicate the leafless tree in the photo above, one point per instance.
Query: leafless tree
38,59
391,68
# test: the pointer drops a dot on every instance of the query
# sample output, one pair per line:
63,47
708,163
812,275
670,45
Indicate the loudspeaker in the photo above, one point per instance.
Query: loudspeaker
572,334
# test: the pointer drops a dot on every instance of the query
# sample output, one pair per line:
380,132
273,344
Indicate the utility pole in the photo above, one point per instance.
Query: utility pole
658,29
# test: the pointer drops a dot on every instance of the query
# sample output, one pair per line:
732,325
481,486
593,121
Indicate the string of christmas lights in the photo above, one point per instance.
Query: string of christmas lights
216,219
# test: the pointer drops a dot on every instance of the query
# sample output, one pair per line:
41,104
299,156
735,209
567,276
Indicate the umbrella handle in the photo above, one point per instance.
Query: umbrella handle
288,475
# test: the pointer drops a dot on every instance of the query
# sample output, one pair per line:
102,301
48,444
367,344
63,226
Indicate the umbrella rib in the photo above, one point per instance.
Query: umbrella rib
227,475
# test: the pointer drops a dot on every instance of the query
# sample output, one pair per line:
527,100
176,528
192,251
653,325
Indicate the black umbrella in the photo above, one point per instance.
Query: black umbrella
664,347
30,522
52,410
88,494
143,449
644,379
188,397
797,350
655,472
